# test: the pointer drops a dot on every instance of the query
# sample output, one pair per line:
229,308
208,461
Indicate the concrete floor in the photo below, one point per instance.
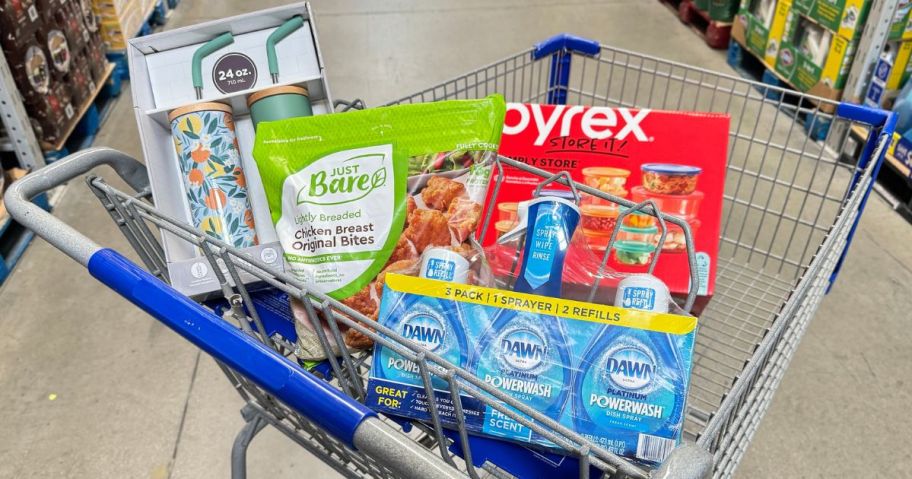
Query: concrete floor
94,388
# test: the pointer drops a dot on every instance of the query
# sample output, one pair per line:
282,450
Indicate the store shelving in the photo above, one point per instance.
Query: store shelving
18,137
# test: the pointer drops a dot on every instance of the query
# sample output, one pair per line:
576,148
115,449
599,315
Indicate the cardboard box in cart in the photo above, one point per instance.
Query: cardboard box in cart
161,81
605,148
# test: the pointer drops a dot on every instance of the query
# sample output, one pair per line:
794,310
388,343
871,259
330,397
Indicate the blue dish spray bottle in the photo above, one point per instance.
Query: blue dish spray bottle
524,354
548,223
630,381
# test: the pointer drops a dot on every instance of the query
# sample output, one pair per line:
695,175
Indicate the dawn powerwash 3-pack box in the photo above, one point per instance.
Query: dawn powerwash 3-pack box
675,159
618,377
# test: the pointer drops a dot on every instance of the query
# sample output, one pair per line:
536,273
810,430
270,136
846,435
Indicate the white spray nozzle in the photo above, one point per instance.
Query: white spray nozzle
522,211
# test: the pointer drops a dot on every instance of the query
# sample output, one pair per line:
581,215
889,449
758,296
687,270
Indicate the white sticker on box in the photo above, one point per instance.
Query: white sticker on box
68,111
703,263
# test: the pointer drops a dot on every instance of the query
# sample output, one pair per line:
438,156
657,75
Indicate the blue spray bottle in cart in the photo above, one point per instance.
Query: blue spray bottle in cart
548,223
524,354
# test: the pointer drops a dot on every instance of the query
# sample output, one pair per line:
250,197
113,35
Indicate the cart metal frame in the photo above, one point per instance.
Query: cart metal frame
790,210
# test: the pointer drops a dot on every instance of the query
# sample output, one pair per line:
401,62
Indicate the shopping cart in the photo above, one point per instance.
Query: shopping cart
790,209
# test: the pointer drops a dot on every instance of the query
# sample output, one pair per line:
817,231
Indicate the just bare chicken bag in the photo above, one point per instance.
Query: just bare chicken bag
358,194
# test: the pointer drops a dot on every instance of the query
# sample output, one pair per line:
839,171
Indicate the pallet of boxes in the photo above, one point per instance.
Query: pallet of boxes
809,44
57,58
122,20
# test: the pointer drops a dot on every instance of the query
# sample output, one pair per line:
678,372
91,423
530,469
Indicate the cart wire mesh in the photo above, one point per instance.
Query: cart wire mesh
789,209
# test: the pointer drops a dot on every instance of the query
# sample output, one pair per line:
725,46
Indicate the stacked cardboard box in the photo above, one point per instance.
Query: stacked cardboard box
901,28
759,26
55,52
808,43
819,43
122,20
718,10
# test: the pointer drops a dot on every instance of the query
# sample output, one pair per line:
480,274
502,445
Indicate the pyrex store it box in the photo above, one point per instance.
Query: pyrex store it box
681,155
161,81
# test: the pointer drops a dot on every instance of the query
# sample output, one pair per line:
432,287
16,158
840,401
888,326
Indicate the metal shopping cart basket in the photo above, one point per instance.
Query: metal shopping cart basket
790,209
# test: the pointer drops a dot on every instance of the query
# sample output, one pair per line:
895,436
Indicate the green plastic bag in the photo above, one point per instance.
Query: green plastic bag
343,189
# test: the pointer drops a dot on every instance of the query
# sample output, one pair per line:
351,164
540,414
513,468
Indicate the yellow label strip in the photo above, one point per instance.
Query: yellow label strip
530,303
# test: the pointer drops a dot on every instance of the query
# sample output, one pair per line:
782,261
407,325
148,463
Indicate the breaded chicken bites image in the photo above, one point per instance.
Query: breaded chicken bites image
440,192
427,228
463,215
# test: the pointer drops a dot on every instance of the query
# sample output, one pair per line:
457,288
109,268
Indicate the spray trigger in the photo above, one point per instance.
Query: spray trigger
522,211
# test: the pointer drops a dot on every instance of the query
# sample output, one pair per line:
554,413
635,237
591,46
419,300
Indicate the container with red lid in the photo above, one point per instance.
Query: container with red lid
670,179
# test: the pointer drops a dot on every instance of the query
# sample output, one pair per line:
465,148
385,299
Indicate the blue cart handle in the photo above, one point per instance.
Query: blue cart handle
325,406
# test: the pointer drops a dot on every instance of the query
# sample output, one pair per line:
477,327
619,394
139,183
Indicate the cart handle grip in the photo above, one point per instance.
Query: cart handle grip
565,42
316,399
325,406
63,237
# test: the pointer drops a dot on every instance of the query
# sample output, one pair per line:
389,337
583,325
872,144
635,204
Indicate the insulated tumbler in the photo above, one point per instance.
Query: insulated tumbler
210,162
279,103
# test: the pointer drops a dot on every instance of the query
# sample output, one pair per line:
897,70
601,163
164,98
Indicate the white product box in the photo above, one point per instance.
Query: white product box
160,77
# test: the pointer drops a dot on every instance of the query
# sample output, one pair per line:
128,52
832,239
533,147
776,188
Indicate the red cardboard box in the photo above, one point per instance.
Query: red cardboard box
607,148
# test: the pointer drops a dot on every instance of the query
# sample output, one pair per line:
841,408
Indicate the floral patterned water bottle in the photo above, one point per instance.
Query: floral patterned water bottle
209,158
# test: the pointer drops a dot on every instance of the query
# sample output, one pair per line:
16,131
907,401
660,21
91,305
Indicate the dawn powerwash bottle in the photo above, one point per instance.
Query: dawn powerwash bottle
526,356
435,325
629,392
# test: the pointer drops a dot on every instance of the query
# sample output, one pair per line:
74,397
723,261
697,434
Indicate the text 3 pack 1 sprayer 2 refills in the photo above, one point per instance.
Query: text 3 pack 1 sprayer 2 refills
619,377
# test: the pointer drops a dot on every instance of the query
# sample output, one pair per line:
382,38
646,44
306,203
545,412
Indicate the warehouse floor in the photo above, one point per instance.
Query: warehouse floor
92,387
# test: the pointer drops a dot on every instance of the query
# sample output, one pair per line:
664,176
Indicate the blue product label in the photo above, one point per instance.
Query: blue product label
441,269
525,359
874,94
638,297
429,323
545,241
617,377
703,262
629,392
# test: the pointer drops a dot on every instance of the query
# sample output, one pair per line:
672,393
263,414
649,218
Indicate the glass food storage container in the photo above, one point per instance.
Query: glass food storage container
635,246
634,254
597,241
608,180
639,220
598,219
504,226
669,179
682,206
674,239
507,211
